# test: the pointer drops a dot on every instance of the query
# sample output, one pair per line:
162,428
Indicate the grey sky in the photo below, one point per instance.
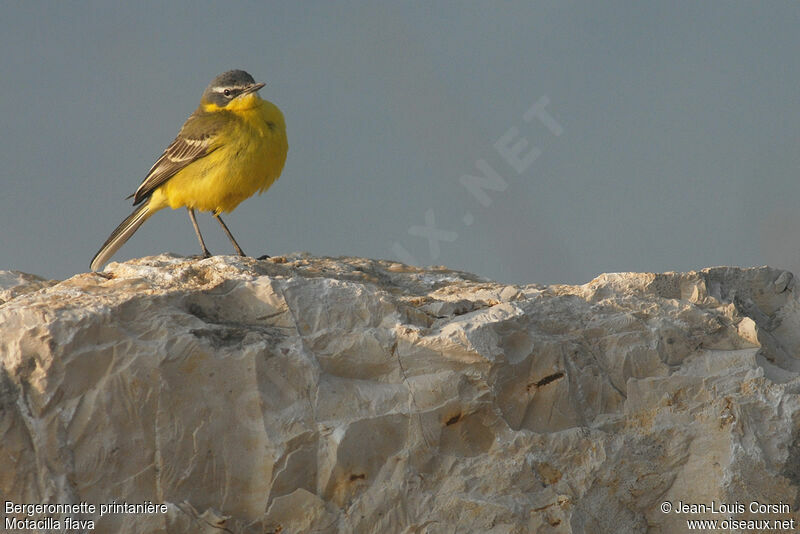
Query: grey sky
679,147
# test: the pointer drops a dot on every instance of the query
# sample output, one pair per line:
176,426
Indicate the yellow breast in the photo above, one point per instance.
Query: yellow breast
250,158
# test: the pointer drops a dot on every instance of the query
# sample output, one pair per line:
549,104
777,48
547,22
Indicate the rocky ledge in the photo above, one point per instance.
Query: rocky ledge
303,394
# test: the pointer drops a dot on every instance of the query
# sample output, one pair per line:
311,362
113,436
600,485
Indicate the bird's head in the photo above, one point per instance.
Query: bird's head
234,89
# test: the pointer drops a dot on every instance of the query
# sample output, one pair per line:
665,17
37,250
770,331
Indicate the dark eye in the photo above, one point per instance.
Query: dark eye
227,92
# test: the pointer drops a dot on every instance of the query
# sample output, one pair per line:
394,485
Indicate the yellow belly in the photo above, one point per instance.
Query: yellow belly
249,160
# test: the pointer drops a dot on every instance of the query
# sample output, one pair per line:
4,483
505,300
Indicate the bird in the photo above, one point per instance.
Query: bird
232,146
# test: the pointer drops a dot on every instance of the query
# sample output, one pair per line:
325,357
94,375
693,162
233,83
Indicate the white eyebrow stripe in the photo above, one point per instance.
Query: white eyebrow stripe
222,89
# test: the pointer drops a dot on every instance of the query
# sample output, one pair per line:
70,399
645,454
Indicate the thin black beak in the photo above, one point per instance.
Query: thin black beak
253,88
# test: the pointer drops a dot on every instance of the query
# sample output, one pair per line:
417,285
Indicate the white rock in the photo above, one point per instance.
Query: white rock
306,394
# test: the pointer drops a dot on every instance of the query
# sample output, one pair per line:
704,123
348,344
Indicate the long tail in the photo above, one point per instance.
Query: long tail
119,236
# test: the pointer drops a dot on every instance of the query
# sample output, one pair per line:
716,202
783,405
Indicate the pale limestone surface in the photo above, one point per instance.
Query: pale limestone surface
304,394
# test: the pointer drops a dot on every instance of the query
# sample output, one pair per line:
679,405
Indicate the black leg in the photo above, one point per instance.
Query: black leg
230,236
206,253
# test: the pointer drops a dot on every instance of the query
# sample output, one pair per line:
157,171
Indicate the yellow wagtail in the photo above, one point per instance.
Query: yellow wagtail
233,145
